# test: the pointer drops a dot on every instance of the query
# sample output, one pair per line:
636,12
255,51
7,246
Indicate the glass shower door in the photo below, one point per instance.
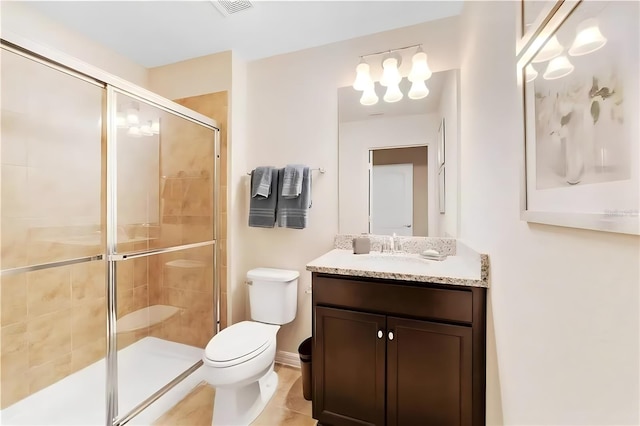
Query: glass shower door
163,243
53,276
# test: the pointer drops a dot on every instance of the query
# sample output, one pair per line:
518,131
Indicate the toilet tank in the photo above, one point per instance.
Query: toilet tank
273,295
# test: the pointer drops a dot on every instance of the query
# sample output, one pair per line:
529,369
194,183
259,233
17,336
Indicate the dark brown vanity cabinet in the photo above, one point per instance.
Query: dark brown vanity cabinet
399,353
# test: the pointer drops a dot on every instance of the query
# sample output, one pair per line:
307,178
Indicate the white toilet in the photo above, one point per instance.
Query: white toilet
239,360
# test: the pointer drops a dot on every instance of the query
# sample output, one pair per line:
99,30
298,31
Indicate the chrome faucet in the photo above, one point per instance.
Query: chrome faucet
397,244
391,244
386,245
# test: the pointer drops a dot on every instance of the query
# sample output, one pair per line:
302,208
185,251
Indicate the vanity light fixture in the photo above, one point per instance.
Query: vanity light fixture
369,96
363,78
588,38
558,67
419,69
418,90
393,93
136,124
550,50
391,76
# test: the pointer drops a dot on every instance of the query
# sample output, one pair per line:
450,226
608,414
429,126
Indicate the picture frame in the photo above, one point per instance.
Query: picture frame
441,143
441,189
580,151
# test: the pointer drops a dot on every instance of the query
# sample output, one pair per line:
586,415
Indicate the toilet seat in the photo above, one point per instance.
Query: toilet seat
239,343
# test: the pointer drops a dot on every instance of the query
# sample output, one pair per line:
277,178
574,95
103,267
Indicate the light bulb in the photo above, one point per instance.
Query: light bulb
419,68
558,68
530,73
588,38
363,79
418,90
393,93
155,126
390,73
145,129
369,96
550,50
121,120
134,131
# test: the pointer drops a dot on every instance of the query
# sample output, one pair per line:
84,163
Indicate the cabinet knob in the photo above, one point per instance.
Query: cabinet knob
380,334
391,335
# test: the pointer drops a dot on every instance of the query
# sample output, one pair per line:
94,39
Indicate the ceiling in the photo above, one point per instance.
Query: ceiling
155,33
350,109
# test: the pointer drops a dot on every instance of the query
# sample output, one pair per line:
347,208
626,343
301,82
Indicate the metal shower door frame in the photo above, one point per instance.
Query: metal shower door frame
113,85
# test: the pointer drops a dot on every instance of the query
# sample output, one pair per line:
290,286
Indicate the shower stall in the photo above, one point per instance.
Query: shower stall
108,228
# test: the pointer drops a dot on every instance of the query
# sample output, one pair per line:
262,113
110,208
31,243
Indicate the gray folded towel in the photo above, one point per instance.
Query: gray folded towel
261,181
262,211
292,180
294,212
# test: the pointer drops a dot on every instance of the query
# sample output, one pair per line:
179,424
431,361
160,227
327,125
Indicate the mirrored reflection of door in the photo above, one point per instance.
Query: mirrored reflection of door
392,199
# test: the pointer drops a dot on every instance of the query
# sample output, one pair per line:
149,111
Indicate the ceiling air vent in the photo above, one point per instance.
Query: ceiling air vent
229,7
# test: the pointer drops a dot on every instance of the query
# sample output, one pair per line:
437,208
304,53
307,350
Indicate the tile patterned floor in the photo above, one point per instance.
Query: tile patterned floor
286,408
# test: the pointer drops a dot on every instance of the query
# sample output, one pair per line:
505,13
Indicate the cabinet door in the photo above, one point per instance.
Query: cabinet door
349,367
429,373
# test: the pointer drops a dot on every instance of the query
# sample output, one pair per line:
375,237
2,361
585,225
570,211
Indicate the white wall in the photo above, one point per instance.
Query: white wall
449,110
356,139
292,117
238,245
18,18
563,339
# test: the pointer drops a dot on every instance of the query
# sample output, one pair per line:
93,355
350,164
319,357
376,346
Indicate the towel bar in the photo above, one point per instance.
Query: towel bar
320,169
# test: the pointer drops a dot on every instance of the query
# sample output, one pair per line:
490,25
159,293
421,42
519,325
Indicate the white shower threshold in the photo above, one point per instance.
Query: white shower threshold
79,399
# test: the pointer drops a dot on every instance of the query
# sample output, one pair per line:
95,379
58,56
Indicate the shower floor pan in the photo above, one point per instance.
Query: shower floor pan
79,399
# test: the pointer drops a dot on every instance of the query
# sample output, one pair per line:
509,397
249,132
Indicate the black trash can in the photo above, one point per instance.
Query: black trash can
304,350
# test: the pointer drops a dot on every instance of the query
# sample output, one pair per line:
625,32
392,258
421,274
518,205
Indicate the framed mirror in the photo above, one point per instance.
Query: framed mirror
388,161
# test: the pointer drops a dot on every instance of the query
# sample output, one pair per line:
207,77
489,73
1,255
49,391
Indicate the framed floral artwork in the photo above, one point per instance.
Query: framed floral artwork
441,189
441,143
580,96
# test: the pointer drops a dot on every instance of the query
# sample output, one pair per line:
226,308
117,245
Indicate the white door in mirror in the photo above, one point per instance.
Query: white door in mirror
392,199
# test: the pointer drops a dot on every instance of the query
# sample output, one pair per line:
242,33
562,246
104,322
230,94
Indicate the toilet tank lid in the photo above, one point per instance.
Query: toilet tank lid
271,274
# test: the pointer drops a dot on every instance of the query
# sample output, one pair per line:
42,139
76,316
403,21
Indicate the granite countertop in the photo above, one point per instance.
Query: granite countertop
464,268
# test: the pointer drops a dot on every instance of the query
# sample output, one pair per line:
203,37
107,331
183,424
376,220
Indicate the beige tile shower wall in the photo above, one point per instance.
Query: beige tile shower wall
132,286
51,164
215,105
52,321
186,216
189,290
52,325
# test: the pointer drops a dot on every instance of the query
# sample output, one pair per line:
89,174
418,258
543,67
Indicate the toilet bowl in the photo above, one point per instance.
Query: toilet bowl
239,360
239,364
